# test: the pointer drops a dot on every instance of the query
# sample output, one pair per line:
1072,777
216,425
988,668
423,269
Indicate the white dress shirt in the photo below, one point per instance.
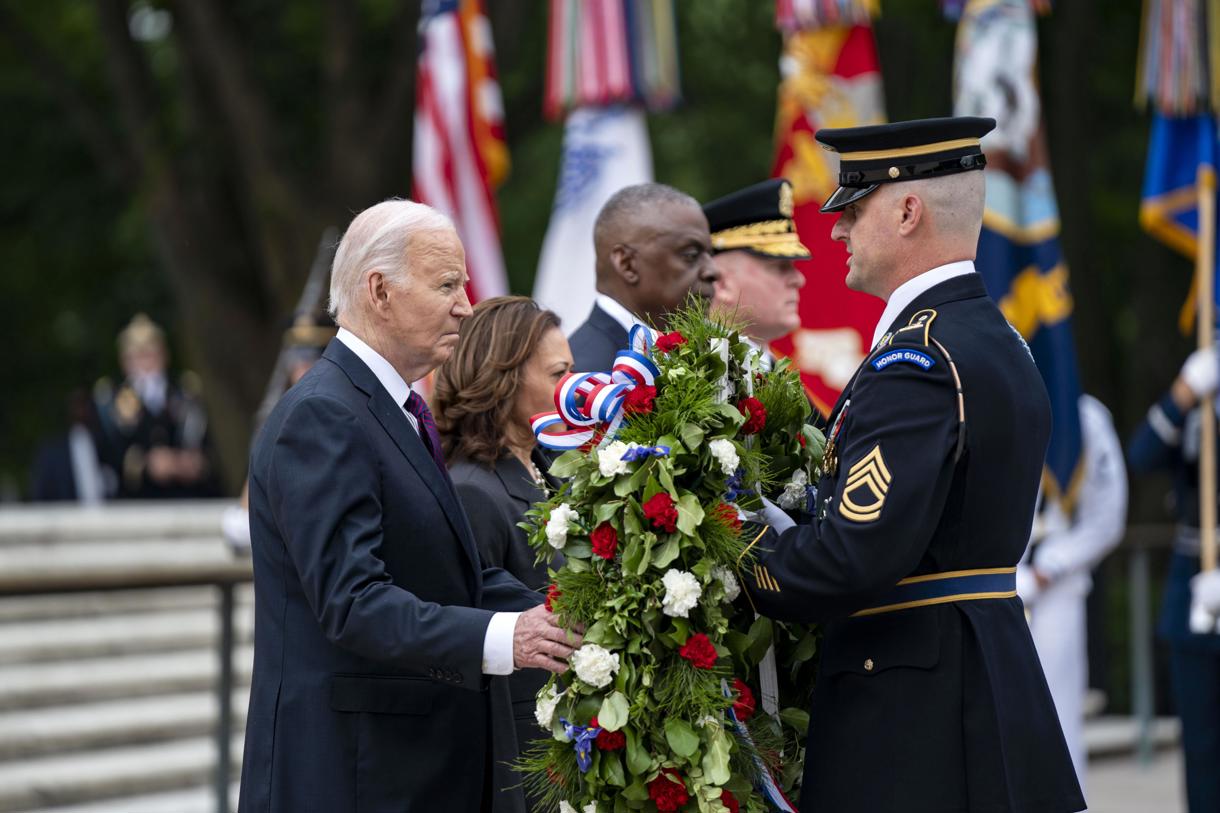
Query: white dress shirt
905,293
498,640
618,312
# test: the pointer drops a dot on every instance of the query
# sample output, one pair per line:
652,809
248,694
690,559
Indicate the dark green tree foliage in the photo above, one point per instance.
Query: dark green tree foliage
190,176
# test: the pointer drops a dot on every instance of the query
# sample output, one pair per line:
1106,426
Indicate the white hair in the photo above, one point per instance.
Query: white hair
377,240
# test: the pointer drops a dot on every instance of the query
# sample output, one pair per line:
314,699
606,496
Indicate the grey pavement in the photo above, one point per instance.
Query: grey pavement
1123,785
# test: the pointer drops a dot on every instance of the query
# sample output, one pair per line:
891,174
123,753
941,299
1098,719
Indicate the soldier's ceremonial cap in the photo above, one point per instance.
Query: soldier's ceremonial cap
902,151
757,219
310,329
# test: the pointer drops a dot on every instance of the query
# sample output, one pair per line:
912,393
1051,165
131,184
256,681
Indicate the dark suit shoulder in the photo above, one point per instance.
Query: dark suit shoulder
595,343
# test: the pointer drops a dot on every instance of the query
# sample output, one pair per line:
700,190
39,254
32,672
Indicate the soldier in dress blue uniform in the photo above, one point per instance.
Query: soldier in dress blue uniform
1168,439
153,431
930,697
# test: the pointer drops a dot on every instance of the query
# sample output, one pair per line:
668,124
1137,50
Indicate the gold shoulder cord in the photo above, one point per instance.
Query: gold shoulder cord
961,402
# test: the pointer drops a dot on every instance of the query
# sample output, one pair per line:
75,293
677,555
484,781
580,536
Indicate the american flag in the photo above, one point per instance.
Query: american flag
460,155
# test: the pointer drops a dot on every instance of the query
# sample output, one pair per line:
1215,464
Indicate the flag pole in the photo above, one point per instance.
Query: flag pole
1205,269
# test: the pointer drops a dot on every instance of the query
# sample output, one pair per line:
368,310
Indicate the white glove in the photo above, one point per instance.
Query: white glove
1027,585
1205,602
1200,373
774,516
235,527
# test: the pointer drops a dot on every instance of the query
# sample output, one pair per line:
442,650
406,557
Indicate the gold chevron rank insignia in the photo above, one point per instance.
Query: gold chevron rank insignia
868,481
764,579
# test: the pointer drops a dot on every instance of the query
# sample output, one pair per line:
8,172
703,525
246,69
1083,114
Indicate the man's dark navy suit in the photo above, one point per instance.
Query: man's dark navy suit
371,607
595,343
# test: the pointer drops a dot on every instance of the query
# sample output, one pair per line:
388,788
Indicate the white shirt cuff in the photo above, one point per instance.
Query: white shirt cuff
498,644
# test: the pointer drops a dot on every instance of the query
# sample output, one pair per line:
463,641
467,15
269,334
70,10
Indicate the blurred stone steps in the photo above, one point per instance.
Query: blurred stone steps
126,721
44,782
198,799
35,685
88,604
108,634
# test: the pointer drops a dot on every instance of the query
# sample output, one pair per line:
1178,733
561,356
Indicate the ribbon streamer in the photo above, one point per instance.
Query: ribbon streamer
766,782
585,401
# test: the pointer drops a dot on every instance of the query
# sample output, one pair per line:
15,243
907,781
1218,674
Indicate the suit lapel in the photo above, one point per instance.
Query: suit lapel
516,480
394,421
609,327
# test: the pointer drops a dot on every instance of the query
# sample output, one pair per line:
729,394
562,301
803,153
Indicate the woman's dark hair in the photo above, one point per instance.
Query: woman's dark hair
477,386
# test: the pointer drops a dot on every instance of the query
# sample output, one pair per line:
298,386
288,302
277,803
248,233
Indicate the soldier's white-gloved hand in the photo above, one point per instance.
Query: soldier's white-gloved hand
774,516
1205,602
1027,585
1200,373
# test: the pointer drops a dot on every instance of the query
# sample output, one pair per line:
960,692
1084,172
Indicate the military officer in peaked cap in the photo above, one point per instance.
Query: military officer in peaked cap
930,697
755,245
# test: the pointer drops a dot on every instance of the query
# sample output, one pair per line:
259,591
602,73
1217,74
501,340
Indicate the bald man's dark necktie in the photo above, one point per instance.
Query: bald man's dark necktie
427,429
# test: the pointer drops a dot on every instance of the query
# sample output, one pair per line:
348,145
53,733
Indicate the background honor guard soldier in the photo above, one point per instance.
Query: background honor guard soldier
653,250
755,245
154,433
930,697
1168,439
1054,579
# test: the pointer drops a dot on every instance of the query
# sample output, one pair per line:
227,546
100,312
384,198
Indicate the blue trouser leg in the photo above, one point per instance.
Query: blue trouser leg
1196,690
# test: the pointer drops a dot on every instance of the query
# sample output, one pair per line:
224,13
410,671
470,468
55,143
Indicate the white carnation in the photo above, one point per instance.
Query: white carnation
610,458
591,807
793,495
544,707
682,593
726,454
557,525
594,665
725,576
564,807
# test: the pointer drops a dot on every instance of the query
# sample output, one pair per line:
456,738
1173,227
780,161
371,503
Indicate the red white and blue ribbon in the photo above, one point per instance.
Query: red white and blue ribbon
586,401
765,782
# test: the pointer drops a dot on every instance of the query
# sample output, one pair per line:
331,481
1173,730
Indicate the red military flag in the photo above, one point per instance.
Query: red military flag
830,78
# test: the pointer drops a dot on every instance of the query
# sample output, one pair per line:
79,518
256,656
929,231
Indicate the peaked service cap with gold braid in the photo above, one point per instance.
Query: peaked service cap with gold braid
902,151
141,333
757,219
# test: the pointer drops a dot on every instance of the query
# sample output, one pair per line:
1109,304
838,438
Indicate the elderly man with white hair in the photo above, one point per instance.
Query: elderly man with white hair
376,625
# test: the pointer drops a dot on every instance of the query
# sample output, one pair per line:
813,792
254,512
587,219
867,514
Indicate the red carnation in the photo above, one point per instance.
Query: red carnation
801,440
609,740
639,401
669,341
605,540
660,511
668,790
728,515
744,706
729,800
756,415
699,651
552,593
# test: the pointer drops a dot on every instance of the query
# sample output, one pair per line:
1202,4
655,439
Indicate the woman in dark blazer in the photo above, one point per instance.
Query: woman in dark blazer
509,359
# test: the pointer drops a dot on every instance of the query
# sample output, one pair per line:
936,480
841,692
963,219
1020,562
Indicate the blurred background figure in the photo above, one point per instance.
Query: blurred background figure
1054,579
509,359
154,432
755,245
304,341
1168,439
653,250
69,467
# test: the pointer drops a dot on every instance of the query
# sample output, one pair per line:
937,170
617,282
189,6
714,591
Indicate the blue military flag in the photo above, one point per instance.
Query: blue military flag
1182,155
1019,254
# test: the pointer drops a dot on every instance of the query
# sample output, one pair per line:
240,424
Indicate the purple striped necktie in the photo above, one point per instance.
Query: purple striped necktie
427,429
